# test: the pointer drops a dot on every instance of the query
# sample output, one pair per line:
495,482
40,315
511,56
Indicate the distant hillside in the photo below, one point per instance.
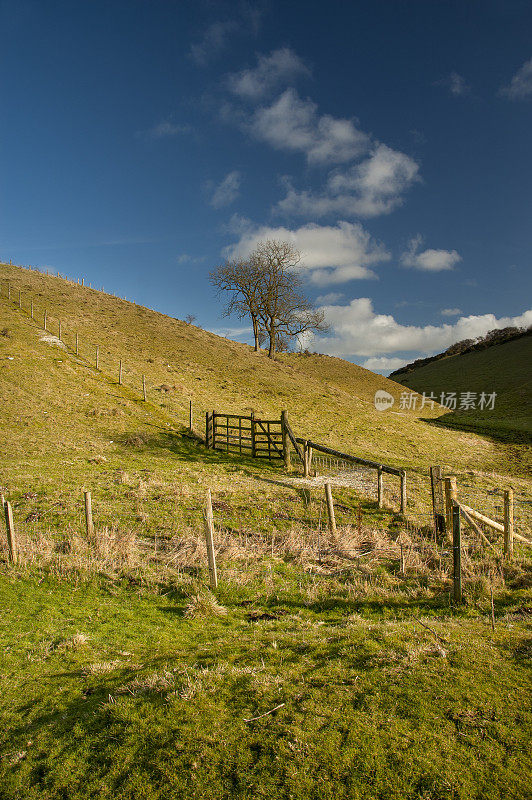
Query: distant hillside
503,368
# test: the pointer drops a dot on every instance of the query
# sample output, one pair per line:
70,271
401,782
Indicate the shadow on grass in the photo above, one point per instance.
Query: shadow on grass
457,422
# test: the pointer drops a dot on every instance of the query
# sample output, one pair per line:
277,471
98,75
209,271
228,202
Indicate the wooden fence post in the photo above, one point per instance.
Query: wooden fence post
11,540
509,522
403,491
450,495
380,497
190,426
88,516
77,345
305,459
438,507
286,440
144,387
253,443
97,355
330,508
209,538
213,438
83,281
457,553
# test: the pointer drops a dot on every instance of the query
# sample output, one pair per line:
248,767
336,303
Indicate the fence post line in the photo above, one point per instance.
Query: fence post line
438,507
403,491
144,387
330,508
286,441
305,459
190,417
509,522
97,355
11,540
88,515
379,488
77,345
457,553
209,538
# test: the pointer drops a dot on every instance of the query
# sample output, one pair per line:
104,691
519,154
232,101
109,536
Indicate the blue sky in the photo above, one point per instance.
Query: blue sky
144,142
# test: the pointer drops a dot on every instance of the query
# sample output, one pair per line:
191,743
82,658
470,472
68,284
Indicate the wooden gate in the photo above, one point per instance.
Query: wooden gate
245,434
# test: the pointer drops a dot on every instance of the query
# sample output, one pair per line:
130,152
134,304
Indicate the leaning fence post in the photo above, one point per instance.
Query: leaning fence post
457,553
286,441
403,491
379,488
509,522
330,508
88,515
144,387
209,538
11,540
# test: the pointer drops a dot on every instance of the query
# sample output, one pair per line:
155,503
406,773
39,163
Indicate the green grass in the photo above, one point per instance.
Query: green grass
501,369
111,692
120,678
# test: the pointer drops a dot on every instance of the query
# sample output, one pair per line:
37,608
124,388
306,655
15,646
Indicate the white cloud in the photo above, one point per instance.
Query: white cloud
450,312
358,330
373,187
455,83
520,86
233,333
280,66
216,36
330,254
165,129
227,191
428,260
384,363
329,299
291,123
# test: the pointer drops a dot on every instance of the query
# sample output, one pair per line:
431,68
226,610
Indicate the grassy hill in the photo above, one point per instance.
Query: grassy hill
503,368
317,668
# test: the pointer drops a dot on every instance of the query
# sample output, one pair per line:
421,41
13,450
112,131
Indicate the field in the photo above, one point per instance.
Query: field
319,667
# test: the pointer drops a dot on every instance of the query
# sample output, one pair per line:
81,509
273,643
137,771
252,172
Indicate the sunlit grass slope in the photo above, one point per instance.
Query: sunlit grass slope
504,369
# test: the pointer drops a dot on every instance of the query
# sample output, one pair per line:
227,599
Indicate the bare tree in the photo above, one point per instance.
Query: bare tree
241,279
282,307
190,318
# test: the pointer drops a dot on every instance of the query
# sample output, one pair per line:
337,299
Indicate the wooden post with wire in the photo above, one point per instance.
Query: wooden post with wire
438,505
144,387
457,553
509,523
403,491
450,496
380,497
330,508
11,540
209,538
88,516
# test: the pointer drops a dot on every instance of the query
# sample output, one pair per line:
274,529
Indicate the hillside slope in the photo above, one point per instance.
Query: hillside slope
503,369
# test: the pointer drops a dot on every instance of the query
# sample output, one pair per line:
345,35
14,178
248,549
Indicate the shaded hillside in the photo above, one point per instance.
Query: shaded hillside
503,369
